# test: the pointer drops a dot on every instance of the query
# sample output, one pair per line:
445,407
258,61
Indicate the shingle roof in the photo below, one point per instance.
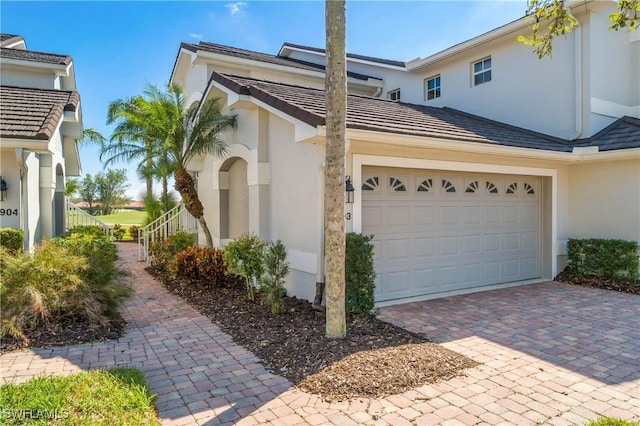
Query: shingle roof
350,55
30,113
621,134
7,39
30,55
263,57
366,113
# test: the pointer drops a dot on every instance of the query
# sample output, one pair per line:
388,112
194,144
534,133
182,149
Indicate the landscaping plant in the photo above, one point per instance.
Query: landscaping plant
272,281
617,259
244,257
163,252
134,232
359,274
200,264
12,239
118,231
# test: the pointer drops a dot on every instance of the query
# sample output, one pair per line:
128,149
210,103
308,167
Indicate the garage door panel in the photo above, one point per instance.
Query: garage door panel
430,239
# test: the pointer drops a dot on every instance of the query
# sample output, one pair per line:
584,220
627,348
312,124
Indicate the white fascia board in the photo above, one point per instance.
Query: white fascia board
454,145
36,145
57,69
617,155
286,48
303,131
614,109
252,64
181,53
473,43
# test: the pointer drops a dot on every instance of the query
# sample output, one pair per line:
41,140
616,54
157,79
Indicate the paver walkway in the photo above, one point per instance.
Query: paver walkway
552,354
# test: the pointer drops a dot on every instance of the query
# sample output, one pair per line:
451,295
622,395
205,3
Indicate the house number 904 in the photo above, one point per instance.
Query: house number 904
8,212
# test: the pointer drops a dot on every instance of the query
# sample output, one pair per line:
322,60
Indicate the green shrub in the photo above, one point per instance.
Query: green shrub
359,273
611,421
244,257
118,231
36,287
134,232
85,230
163,252
616,259
200,264
12,239
276,269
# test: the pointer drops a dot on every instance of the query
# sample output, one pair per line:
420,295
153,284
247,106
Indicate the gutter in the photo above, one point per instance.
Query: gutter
577,56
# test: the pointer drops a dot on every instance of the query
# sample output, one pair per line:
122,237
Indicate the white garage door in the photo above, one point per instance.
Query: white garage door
439,231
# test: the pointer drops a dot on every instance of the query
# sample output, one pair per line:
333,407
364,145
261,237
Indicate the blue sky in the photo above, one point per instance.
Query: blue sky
119,46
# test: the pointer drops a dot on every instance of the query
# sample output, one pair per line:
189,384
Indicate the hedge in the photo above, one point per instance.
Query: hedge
359,273
617,259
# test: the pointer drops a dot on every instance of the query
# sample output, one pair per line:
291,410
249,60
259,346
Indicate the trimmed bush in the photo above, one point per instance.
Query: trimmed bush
359,273
617,259
163,252
244,257
118,231
12,239
201,265
272,281
84,230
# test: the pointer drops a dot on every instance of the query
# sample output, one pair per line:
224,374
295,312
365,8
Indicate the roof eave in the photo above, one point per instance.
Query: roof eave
59,69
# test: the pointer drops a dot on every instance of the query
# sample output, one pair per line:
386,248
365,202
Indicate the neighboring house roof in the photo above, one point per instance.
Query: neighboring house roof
375,114
621,134
263,57
30,113
9,39
349,55
30,55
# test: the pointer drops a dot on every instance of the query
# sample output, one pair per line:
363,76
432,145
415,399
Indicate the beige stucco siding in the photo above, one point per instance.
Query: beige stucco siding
604,200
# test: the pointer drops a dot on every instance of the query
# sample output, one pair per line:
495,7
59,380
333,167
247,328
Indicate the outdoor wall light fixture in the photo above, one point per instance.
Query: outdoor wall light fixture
348,187
3,189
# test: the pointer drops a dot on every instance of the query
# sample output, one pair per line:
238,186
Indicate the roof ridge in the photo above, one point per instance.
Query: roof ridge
349,55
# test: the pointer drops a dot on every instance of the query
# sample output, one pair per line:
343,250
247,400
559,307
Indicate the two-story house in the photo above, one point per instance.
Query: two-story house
472,166
40,124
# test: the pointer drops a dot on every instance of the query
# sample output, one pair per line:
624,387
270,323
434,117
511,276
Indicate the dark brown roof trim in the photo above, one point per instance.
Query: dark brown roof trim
8,39
292,110
33,56
350,55
265,57
623,133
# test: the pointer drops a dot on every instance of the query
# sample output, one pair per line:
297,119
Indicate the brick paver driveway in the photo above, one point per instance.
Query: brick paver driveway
551,354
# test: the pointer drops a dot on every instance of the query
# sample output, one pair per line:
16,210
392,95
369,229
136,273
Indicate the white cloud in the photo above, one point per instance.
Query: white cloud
236,8
196,35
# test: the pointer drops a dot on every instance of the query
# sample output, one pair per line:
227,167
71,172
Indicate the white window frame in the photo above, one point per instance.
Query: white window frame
395,93
483,71
437,90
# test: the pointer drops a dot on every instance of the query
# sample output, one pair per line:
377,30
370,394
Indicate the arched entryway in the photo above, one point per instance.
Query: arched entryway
234,198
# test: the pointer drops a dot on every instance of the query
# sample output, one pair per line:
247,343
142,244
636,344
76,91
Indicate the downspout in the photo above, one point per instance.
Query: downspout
577,56
317,300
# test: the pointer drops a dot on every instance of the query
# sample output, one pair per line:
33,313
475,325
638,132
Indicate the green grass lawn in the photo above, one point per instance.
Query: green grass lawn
127,217
100,397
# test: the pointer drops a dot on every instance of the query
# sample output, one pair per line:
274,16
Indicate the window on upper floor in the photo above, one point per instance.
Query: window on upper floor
432,87
394,95
482,71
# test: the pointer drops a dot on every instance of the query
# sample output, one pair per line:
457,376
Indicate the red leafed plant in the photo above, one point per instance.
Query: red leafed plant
200,264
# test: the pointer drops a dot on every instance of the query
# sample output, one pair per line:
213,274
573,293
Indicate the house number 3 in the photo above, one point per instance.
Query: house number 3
348,216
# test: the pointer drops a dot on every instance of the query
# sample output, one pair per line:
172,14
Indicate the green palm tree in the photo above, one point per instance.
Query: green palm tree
160,132
132,139
190,133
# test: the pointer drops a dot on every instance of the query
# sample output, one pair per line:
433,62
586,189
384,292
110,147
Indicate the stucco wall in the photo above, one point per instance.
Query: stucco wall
42,80
11,174
604,200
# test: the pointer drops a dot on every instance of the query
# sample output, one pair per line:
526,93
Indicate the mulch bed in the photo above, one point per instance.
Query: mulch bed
630,286
375,359
66,331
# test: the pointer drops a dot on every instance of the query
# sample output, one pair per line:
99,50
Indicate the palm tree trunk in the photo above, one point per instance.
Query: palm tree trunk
336,87
165,193
187,190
